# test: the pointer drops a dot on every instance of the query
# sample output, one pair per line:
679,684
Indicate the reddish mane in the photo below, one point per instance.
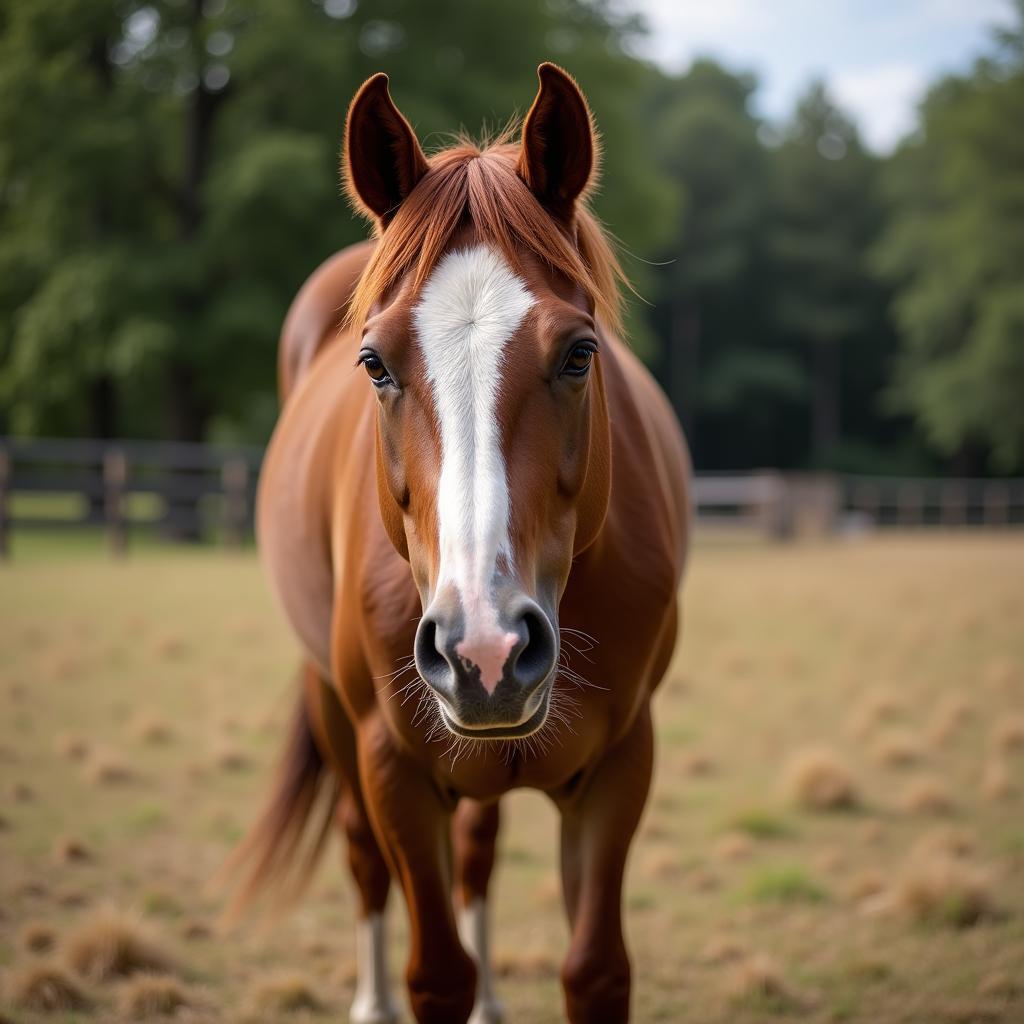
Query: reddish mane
479,185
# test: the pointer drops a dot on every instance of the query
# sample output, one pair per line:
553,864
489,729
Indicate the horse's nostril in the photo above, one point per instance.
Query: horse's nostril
535,659
430,661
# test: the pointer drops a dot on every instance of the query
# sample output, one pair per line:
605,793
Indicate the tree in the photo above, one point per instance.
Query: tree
955,250
168,177
725,383
827,217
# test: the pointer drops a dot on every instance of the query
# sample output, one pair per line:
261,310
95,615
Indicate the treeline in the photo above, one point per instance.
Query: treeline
168,177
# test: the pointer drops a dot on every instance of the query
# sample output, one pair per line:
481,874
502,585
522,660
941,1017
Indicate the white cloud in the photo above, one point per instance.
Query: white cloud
882,100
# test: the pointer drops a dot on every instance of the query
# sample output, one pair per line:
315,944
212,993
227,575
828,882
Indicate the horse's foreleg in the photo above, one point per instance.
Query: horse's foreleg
373,1002
413,825
597,829
474,835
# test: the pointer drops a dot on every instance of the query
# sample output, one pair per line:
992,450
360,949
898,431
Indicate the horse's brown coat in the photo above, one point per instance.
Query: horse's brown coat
336,542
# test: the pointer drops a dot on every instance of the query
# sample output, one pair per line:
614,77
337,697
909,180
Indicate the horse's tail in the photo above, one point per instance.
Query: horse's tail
280,851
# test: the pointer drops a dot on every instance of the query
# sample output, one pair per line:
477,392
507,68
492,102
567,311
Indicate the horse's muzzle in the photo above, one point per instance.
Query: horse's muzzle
490,683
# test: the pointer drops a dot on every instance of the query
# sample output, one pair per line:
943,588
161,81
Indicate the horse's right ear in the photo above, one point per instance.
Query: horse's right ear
382,161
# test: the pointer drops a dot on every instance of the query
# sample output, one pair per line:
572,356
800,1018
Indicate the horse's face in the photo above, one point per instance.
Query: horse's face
492,467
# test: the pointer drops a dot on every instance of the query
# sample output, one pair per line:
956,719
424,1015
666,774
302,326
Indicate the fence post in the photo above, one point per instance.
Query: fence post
115,476
5,519
954,503
911,504
997,504
234,477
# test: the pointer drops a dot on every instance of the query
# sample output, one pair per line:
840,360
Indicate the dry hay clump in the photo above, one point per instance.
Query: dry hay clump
68,850
44,988
71,746
944,841
872,711
1008,734
898,749
105,768
759,982
818,779
230,758
734,846
927,795
946,890
996,782
865,885
952,714
286,993
151,728
152,995
114,944
37,937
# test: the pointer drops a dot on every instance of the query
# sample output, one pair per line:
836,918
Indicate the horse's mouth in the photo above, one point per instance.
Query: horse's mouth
500,732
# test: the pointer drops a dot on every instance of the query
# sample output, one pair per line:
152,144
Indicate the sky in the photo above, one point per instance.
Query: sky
877,56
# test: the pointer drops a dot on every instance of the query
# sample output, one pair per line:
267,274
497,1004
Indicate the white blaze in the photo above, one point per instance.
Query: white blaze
471,306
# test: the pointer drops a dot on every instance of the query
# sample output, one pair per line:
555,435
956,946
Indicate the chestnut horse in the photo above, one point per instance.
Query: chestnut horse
472,478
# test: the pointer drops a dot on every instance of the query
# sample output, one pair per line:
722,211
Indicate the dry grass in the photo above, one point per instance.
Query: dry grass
114,944
874,710
229,758
527,965
946,891
44,987
927,795
997,783
72,746
819,780
286,993
1008,734
36,937
758,982
106,768
68,850
809,636
152,995
151,728
898,749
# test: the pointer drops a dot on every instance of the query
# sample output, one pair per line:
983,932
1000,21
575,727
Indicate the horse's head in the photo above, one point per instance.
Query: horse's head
481,314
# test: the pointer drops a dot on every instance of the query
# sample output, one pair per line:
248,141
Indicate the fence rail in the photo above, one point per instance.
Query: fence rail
190,491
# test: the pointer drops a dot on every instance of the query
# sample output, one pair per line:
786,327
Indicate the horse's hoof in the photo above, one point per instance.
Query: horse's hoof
491,1012
372,1013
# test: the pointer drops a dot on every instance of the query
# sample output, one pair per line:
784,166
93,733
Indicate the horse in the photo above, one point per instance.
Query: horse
472,478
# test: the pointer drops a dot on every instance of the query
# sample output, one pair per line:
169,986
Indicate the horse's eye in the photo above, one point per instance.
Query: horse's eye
579,360
375,369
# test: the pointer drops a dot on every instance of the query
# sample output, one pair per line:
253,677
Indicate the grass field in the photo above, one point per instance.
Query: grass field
836,831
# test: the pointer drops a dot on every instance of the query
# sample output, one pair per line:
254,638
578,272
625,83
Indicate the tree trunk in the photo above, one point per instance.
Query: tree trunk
684,362
825,411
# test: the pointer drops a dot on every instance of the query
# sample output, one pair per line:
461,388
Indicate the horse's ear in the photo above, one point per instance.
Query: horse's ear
559,143
383,160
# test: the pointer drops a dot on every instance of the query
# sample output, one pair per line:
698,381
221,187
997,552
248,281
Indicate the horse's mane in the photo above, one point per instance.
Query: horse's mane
478,184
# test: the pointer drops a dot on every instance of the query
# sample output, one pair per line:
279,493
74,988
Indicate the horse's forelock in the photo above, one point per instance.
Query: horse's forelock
470,185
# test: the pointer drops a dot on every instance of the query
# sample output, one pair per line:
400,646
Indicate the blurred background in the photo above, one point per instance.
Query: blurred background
822,208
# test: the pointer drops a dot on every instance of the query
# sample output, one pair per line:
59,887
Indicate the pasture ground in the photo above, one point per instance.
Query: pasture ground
140,707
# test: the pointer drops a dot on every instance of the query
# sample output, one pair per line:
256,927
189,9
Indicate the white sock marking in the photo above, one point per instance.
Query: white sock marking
373,1003
471,306
473,931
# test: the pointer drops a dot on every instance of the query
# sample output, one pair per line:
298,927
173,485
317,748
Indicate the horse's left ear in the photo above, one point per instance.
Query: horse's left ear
559,144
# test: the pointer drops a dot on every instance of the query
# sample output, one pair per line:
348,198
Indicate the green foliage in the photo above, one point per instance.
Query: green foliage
955,247
168,178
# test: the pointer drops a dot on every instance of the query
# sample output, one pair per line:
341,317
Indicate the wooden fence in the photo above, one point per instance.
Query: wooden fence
188,491
184,491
